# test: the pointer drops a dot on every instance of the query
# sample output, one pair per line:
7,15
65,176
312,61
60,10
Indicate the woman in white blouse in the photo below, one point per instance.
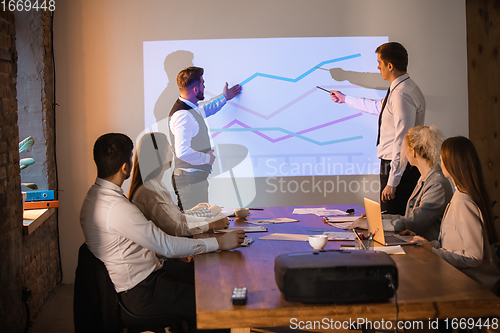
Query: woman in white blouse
152,158
467,229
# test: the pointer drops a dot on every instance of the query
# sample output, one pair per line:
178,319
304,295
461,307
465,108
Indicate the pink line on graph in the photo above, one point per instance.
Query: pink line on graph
288,136
286,106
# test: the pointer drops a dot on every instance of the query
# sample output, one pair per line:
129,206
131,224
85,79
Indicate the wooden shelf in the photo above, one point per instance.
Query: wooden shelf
33,218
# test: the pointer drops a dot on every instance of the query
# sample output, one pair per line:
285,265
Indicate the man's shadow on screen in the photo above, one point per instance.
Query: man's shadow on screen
174,63
365,80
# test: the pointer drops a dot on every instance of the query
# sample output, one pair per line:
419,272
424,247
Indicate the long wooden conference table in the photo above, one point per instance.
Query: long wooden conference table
429,287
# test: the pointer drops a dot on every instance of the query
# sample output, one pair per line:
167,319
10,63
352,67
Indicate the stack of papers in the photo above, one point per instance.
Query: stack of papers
341,222
340,235
319,211
330,212
308,210
273,221
246,229
287,237
397,249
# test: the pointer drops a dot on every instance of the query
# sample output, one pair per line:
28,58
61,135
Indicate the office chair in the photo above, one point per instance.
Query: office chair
97,307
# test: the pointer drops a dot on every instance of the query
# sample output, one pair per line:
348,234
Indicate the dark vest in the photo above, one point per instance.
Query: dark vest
200,142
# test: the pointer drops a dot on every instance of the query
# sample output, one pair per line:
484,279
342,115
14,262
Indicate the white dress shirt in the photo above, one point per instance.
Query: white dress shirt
154,201
118,234
184,127
405,109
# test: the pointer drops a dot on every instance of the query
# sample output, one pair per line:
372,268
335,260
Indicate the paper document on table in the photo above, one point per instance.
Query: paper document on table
246,229
337,219
308,210
330,212
340,235
341,225
397,249
287,237
273,221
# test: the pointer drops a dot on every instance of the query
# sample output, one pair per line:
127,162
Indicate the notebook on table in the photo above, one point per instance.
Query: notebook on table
374,217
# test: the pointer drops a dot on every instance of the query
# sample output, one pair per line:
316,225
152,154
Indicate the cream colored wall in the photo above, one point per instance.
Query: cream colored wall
98,50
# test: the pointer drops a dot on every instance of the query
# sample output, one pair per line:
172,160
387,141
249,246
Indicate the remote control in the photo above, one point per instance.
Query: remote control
239,296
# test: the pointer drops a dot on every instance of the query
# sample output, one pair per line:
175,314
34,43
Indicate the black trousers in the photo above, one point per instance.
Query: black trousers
167,291
403,191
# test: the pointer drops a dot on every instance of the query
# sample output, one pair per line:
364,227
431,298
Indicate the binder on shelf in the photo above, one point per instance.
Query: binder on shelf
40,195
41,204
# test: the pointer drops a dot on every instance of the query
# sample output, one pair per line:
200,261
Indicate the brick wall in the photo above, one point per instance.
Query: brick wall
11,307
40,260
30,261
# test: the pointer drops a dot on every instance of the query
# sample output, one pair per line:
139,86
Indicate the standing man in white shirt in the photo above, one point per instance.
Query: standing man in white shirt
193,154
402,108
119,235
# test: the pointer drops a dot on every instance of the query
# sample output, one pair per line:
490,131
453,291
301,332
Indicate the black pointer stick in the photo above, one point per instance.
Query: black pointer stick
328,91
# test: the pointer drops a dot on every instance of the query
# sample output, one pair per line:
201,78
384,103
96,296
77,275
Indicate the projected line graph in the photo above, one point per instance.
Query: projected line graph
236,121
300,77
280,116
286,106
290,134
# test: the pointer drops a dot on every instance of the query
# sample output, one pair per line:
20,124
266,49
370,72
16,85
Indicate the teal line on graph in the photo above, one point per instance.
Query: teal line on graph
268,129
298,78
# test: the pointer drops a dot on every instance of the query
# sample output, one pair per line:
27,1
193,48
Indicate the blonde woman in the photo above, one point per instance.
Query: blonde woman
427,203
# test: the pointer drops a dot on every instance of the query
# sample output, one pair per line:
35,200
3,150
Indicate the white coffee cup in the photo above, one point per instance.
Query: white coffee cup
241,212
318,242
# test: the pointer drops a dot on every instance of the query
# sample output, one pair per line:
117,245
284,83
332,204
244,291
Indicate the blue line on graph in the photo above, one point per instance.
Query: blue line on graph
301,76
267,129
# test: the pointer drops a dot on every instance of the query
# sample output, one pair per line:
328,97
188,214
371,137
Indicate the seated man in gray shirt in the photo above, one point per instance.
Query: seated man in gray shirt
118,234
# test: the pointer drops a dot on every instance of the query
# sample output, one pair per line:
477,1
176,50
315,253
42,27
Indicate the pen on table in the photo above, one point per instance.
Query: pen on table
255,208
359,239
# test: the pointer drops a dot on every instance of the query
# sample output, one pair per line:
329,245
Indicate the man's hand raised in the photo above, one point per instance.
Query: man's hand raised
231,240
232,92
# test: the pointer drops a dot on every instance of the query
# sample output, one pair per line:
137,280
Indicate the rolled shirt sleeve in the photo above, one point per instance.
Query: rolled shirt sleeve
214,106
371,106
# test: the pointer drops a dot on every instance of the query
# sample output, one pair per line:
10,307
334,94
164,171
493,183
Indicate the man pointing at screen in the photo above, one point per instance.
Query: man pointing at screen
193,154
402,108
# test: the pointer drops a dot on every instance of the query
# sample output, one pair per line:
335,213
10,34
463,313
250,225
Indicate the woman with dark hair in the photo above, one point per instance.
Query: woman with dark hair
152,158
467,229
